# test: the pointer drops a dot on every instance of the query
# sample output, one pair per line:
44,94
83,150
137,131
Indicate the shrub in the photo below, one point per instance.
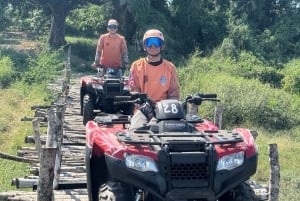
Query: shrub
44,67
6,72
18,58
243,100
291,80
84,48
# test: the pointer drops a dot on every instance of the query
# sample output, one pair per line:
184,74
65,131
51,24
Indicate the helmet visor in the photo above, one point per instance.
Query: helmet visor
157,42
112,26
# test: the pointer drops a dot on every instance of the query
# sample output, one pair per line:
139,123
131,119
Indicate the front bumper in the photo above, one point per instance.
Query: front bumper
158,185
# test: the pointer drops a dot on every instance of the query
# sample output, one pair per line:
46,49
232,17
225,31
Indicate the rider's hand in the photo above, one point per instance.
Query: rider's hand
127,66
148,110
94,65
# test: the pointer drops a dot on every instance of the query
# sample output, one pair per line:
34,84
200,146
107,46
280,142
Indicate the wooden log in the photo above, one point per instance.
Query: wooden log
18,195
22,153
30,139
26,148
42,119
75,169
45,184
16,158
274,173
40,107
24,182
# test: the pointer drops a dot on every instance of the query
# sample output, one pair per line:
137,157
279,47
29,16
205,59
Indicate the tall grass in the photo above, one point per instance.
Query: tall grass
288,148
6,71
15,103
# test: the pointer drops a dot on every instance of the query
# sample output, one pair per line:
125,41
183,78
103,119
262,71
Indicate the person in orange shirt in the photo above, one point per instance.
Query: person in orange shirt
111,48
152,75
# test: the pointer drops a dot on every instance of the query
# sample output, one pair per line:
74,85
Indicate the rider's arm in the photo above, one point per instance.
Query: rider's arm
133,80
125,54
99,50
174,90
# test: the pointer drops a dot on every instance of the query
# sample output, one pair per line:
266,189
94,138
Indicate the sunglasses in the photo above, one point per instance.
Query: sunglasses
112,26
157,42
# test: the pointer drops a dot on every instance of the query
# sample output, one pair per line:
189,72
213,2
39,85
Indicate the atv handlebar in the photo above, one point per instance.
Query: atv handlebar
198,98
100,66
103,70
207,95
138,98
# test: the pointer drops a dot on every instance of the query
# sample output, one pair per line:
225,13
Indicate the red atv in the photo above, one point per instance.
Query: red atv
177,157
97,93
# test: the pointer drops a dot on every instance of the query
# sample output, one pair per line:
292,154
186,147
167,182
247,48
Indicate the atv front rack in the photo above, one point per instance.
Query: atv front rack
179,138
145,135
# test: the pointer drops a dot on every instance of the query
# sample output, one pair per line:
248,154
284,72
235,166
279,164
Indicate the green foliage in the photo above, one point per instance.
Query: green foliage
16,102
197,24
36,22
5,10
87,20
240,34
281,41
84,48
244,100
267,28
228,49
245,65
250,67
6,72
248,100
291,80
19,59
44,66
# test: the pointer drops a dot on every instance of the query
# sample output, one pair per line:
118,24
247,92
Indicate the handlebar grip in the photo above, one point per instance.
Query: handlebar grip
208,95
122,98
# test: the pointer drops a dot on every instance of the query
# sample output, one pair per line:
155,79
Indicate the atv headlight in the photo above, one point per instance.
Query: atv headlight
126,88
230,161
140,163
97,86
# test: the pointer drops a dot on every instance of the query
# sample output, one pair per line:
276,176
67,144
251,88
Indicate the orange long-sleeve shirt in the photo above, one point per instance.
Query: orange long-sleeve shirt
111,50
158,82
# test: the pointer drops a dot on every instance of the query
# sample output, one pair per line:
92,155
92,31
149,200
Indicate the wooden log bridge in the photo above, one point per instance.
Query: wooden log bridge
57,165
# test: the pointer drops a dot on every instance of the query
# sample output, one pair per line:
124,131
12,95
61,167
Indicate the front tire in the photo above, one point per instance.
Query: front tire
115,191
128,109
88,109
243,192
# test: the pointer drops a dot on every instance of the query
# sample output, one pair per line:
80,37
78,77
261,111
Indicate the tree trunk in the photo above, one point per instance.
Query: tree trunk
57,30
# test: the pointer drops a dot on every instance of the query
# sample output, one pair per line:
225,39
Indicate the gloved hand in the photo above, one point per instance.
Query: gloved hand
127,66
148,110
94,65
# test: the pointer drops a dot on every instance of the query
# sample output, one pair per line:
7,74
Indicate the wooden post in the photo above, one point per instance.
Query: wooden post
68,66
37,139
59,133
51,135
218,116
47,161
45,184
274,173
